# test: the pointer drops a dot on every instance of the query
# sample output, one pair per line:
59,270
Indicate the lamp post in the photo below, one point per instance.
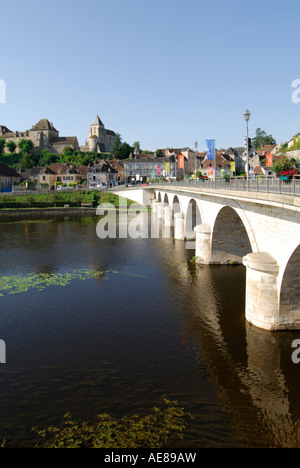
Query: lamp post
196,146
247,118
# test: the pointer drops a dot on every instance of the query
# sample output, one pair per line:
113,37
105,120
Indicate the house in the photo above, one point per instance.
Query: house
144,169
65,174
118,166
192,159
264,149
101,173
223,163
263,171
41,176
238,155
294,140
82,172
8,177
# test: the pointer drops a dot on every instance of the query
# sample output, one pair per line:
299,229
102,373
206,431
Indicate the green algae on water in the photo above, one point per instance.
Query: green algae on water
18,284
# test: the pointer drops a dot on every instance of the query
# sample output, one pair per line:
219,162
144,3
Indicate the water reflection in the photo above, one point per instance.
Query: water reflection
252,368
155,323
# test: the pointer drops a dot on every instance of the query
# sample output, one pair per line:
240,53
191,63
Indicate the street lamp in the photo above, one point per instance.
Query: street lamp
247,118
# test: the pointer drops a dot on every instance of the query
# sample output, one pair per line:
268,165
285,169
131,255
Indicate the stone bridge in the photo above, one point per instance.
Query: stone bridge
259,230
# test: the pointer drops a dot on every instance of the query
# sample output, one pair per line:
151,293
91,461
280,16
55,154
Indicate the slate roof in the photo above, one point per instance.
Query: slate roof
43,124
70,141
97,121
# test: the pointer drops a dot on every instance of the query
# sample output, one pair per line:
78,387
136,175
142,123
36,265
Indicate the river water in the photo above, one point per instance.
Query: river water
151,324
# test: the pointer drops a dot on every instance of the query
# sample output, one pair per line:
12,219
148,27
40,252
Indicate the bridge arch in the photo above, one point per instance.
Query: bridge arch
175,205
166,199
289,301
193,218
230,237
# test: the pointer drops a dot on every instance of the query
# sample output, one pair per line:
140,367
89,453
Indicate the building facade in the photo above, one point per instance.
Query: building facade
8,177
144,169
43,135
101,174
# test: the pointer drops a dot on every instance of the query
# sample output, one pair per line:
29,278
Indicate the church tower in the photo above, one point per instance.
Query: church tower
96,135
101,140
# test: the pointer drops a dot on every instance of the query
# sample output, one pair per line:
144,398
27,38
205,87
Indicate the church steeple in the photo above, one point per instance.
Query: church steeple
97,122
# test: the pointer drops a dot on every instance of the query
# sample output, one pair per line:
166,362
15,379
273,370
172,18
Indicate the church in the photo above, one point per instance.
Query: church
101,140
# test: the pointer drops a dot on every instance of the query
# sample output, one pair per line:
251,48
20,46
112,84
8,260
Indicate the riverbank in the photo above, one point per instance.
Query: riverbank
71,199
40,212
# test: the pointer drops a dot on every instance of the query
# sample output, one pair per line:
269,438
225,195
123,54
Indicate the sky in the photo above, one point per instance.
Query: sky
166,73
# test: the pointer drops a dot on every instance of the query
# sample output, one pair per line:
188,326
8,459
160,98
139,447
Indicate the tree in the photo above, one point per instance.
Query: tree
68,155
117,145
26,146
11,145
2,145
46,158
125,151
261,138
27,162
136,145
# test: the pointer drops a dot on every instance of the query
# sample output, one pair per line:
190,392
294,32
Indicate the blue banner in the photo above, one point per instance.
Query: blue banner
210,148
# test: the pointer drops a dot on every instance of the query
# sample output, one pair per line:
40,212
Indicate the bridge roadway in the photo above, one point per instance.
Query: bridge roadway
260,230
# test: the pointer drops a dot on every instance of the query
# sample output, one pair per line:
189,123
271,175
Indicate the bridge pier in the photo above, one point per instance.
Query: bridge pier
262,296
154,206
160,210
168,216
179,231
203,251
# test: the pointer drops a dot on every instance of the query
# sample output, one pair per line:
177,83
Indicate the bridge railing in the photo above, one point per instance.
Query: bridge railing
266,185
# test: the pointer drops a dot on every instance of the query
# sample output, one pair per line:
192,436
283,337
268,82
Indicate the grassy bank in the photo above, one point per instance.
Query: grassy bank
58,199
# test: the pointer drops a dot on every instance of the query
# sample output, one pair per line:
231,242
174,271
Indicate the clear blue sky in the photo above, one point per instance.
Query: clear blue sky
164,72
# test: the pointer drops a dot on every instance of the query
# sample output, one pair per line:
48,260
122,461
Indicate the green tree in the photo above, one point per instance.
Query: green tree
125,151
26,146
117,145
2,145
46,158
262,138
68,155
27,162
11,145
136,145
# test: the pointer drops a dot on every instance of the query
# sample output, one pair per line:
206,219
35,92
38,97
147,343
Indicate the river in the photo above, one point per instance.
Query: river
147,322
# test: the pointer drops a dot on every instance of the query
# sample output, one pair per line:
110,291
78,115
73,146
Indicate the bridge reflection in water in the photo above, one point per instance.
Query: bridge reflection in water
252,368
